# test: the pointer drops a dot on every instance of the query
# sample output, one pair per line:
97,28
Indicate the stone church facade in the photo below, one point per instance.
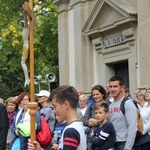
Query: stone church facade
102,38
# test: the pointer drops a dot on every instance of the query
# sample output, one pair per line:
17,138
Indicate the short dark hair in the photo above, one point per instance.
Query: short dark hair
102,104
126,90
101,90
65,92
148,88
117,78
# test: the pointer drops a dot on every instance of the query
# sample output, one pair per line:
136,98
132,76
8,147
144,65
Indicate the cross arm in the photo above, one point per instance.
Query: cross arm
29,12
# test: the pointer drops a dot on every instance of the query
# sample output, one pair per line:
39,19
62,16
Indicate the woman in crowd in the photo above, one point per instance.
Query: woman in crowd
99,95
12,108
82,103
140,98
21,127
144,142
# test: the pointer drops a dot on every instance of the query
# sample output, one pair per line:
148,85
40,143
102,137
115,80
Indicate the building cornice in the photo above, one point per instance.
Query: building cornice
58,2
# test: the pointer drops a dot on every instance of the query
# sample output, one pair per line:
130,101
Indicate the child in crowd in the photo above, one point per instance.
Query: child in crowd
104,136
65,100
60,125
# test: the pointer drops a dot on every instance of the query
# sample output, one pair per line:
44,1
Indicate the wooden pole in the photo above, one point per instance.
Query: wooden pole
32,105
31,55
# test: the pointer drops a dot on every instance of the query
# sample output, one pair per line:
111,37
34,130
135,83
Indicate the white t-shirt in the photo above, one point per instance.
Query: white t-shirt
83,110
145,113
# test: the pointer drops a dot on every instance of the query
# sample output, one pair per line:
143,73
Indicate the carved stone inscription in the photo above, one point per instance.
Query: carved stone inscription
113,41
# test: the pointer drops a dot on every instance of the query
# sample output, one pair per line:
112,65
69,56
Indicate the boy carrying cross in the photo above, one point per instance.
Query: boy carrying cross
65,100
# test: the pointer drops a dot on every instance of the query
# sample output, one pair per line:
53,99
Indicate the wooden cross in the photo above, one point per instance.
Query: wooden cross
28,9
29,13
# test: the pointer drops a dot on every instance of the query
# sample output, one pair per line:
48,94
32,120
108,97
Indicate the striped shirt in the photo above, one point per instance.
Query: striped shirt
104,137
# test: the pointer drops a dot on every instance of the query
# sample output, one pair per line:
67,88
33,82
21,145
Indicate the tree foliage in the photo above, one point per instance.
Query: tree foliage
45,44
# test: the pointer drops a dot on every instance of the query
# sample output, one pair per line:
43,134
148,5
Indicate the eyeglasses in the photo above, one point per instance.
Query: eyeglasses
82,100
25,99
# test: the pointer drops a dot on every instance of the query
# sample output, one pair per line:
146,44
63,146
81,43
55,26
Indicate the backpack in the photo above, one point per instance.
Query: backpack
44,136
139,120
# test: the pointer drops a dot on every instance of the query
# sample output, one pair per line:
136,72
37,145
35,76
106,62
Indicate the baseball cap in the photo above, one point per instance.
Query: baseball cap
43,93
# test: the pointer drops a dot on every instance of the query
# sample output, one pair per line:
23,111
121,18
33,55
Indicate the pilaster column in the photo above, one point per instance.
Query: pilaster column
143,43
63,40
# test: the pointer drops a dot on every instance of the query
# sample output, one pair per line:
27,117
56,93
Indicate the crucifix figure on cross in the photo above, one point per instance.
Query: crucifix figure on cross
25,51
25,36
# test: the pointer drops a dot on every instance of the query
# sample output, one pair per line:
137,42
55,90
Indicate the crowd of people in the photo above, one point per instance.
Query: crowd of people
79,122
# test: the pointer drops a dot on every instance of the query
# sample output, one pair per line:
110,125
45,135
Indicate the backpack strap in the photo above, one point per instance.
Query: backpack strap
122,108
92,109
136,104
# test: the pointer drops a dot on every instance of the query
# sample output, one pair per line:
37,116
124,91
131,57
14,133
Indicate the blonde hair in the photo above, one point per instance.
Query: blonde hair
12,100
82,97
140,93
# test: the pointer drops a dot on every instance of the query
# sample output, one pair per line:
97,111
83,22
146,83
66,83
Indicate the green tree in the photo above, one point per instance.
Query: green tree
45,44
